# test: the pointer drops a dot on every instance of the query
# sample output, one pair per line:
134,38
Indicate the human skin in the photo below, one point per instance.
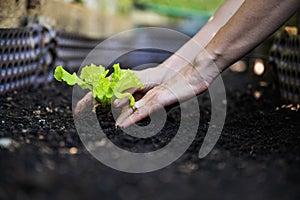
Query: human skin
250,24
152,77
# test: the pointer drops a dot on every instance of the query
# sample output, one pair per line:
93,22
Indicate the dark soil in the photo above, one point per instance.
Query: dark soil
256,157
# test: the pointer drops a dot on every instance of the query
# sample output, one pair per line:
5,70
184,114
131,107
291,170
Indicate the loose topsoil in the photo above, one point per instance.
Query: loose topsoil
256,157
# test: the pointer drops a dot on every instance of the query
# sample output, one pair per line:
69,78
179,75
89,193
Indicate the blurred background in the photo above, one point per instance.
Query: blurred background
37,35
103,18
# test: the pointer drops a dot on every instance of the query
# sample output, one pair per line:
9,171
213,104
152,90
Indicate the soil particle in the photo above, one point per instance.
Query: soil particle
256,157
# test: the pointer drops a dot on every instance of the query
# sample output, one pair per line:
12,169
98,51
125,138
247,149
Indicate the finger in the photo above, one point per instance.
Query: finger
156,98
120,102
84,102
140,114
126,111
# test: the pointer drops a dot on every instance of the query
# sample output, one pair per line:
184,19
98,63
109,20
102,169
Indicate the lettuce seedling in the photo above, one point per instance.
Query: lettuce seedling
104,88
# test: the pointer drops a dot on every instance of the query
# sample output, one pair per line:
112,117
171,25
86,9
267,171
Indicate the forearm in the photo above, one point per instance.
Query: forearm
220,18
188,51
249,26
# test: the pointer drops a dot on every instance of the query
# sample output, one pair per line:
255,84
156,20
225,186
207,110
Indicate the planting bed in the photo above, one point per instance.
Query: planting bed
256,157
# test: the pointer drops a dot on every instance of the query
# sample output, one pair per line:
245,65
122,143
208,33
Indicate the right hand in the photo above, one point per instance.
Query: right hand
150,78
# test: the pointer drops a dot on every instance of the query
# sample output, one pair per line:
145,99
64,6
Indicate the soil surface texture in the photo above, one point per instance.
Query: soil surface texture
256,157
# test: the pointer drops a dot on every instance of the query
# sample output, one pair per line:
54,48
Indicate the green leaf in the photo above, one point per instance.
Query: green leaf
125,79
103,88
92,74
61,74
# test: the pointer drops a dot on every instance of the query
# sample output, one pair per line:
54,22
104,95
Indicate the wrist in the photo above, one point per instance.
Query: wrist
172,66
205,64
153,76
165,70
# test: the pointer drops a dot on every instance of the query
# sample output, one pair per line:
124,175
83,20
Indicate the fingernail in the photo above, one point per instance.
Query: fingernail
116,103
118,125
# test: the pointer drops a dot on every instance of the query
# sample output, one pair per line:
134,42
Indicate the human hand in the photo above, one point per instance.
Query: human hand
150,78
188,82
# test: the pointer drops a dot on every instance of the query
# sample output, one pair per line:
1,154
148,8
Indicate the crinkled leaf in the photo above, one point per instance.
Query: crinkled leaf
116,75
103,88
125,80
61,74
92,74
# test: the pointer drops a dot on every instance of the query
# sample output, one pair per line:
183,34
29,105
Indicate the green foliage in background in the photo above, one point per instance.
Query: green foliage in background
201,5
